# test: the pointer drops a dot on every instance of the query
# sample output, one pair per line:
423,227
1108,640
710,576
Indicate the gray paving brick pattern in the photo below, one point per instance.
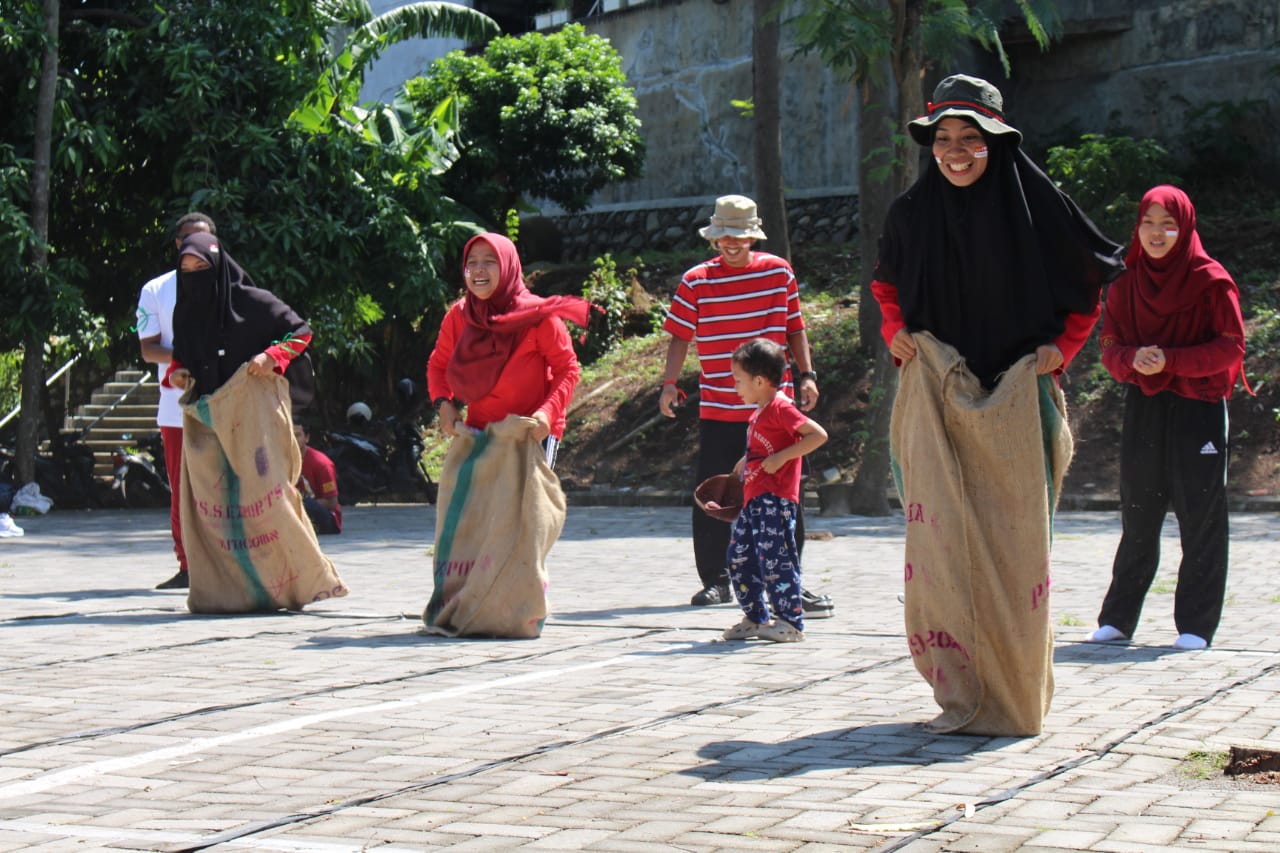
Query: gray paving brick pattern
128,724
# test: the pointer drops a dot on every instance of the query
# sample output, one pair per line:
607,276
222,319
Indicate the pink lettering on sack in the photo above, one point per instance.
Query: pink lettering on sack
462,568
249,543
248,510
279,585
921,643
1040,592
915,512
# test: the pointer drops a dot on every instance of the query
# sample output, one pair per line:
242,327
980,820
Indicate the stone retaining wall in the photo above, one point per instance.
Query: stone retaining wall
584,236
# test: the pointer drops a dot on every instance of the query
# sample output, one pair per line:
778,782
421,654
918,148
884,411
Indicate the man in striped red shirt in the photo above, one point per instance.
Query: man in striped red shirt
740,295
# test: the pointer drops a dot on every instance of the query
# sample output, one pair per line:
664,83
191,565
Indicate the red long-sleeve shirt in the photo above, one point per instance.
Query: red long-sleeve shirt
1203,346
540,375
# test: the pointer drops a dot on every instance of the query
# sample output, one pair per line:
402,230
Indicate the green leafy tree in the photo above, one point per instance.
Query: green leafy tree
187,105
888,49
542,116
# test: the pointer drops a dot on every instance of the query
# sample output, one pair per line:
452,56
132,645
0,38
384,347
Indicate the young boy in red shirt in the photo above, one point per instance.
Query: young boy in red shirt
763,560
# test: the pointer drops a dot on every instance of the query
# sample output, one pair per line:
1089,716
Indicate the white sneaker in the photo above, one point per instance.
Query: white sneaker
1190,643
8,527
1106,634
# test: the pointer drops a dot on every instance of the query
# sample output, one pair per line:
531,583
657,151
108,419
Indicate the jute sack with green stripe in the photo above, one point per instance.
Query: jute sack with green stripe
979,474
499,510
248,540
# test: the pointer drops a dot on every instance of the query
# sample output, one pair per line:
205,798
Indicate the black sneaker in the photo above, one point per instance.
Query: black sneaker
817,606
712,595
178,581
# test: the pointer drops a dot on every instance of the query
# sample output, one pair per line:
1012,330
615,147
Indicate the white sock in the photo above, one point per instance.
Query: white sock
1106,634
1190,642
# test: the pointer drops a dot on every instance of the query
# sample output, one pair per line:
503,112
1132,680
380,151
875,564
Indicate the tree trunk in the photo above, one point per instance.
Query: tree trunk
767,96
883,115
33,342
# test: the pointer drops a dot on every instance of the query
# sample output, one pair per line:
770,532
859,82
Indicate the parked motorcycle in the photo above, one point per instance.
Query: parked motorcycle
381,460
64,473
140,481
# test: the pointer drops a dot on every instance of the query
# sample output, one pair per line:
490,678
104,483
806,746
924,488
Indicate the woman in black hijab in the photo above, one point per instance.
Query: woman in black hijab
985,252
222,320
988,280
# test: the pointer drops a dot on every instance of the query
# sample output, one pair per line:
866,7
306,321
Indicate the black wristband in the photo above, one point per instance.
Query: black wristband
808,374
440,401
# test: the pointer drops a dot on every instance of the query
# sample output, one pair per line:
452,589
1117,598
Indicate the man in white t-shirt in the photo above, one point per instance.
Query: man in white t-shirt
155,336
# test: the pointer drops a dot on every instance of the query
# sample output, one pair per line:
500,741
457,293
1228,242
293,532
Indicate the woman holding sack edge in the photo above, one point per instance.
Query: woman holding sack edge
988,280
248,540
505,355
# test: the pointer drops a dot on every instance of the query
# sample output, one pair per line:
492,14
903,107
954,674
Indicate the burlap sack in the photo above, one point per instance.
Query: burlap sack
979,474
499,511
248,541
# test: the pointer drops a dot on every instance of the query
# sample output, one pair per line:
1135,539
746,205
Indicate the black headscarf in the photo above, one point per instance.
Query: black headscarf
221,320
993,269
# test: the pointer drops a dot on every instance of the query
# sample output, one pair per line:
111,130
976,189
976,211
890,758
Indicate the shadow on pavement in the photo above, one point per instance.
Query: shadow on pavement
878,745
1103,653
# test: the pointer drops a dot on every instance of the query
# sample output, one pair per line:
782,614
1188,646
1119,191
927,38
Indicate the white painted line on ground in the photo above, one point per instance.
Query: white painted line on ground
85,772
116,835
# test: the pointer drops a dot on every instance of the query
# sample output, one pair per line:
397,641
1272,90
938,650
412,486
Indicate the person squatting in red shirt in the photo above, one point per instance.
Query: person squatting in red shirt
318,485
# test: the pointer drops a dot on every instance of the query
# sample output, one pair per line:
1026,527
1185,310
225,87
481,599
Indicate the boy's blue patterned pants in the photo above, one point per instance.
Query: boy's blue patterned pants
764,564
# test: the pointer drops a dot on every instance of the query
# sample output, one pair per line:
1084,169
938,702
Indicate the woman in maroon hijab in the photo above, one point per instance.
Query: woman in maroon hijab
1172,330
502,350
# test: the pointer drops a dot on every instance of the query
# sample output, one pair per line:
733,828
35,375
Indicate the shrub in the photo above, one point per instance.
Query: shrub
614,296
1107,176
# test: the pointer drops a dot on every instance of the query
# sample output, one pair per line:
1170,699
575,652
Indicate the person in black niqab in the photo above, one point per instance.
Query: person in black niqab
222,320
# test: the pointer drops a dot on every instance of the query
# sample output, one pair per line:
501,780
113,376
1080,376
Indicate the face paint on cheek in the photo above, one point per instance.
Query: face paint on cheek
980,153
1171,234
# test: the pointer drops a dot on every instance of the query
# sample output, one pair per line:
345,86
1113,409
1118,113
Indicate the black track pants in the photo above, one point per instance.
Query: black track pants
1173,454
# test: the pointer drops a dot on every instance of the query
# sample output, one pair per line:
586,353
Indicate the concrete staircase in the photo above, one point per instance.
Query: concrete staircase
133,415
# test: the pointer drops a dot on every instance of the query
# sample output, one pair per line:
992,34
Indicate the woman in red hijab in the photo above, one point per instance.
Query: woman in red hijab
1172,330
502,350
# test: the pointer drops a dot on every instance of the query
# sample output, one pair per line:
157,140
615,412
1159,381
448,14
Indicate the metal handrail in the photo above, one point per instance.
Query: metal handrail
52,379
146,377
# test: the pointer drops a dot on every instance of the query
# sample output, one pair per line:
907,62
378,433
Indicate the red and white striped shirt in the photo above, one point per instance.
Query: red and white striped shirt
719,307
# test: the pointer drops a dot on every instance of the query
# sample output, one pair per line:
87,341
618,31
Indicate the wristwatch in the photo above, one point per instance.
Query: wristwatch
808,374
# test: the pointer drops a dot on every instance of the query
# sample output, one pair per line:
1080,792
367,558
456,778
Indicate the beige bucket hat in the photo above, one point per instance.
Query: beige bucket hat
735,216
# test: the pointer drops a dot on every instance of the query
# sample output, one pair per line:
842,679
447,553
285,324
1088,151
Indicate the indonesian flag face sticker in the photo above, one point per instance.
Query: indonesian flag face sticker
1157,231
960,150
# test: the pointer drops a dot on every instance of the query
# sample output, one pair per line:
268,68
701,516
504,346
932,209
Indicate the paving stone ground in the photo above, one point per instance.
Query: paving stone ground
128,724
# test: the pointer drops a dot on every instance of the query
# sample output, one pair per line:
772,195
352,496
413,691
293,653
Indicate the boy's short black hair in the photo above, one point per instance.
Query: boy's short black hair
194,216
762,357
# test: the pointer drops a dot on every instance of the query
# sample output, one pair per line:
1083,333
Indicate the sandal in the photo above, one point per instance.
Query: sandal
744,630
780,631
